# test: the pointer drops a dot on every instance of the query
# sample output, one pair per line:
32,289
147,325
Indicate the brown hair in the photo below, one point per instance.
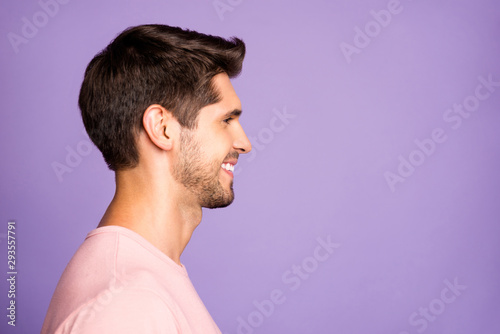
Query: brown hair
145,65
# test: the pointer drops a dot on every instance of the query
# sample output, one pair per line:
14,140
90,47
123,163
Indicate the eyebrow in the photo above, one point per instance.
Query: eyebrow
233,113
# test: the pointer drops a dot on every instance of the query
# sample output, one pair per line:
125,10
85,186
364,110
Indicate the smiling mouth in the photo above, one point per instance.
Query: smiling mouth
228,166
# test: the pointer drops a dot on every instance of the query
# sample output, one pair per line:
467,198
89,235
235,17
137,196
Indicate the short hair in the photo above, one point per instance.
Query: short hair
151,64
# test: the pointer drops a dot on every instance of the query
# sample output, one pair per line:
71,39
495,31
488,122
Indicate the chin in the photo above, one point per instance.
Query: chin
220,202
223,205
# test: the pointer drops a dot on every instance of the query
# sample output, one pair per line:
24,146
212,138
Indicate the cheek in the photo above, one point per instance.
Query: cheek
218,143
215,141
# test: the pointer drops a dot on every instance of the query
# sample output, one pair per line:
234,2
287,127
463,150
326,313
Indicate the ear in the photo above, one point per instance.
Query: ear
161,126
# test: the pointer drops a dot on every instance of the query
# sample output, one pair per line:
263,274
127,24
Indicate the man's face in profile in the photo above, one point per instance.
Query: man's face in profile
208,153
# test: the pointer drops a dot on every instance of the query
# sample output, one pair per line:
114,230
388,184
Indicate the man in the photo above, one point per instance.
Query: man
159,105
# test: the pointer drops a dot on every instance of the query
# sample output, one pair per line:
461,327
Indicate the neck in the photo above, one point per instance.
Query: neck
155,207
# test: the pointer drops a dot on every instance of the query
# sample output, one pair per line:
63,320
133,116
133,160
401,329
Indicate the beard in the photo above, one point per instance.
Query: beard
199,176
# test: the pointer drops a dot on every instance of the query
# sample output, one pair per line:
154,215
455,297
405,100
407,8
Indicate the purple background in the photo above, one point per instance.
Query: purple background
320,173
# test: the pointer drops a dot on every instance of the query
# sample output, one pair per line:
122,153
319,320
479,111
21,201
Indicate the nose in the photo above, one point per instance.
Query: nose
241,142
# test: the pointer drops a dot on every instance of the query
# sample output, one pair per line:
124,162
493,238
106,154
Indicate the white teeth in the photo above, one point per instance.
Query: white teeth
228,166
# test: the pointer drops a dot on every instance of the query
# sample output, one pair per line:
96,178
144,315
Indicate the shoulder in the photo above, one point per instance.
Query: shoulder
124,309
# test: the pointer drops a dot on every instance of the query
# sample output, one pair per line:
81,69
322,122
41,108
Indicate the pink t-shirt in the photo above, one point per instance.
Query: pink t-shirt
118,282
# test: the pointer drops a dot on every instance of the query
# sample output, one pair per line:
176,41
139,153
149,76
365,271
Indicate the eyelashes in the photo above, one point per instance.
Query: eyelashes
228,120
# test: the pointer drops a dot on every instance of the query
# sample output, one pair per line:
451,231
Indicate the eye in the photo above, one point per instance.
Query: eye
227,120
